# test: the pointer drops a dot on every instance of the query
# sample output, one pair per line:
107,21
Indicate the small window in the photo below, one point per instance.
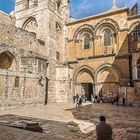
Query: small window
107,38
136,33
27,4
58,5
57,55
17,81
58,27
86,41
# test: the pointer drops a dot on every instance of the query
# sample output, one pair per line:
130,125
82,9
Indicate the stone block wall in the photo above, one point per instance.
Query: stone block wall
64,84
28,92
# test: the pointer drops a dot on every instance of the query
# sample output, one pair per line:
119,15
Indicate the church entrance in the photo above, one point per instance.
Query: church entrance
87,89
46,94
84,82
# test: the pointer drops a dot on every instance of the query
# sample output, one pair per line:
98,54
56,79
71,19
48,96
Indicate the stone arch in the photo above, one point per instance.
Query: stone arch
134,31
133,25
84,81
30,25
83,28
83,72
107,22
108,67
107,75
7,60
107,79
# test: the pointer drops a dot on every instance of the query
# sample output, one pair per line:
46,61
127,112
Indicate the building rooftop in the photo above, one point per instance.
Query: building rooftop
111,11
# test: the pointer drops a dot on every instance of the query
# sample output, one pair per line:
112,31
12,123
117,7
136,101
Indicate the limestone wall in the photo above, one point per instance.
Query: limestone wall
28,91
64,84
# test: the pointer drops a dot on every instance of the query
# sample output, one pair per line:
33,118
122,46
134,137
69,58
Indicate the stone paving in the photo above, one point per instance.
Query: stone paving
66,122
125,121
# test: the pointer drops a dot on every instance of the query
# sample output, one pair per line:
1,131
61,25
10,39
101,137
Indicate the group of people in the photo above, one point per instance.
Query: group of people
78,100
119,100
103,130
97,99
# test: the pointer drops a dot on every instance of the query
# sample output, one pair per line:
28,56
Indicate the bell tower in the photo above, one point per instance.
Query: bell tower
66,7
63,8
31,15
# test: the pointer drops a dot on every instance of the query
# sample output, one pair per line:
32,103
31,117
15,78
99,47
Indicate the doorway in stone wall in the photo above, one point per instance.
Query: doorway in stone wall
46,94
87,89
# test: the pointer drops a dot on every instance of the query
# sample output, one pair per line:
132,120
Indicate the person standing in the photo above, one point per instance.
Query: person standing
74,99
103,130
80,101
123,100
77,97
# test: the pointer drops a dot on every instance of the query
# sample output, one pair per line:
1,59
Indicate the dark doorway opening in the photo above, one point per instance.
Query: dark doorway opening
88,90
46,95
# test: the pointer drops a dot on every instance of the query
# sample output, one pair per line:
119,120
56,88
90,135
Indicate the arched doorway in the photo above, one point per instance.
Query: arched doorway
84,82
6,60
107,82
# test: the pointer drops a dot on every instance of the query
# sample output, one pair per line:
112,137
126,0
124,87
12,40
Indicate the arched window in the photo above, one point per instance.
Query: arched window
58,5
17,81
87,41
107,38
138,69
136,33
27,4
30,25
6,60
58,27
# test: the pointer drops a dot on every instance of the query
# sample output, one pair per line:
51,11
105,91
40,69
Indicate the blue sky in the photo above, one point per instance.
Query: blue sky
79,8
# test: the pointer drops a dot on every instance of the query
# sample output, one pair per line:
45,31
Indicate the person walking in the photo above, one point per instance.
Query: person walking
103,130
123,100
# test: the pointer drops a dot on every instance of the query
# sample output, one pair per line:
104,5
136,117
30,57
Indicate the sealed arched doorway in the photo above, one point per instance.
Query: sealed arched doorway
107,82
84,82
6,60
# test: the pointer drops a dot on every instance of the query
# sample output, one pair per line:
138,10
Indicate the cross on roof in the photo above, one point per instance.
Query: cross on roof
114,3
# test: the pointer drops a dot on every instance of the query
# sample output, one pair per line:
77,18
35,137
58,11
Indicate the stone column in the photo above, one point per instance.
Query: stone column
94,90
135,72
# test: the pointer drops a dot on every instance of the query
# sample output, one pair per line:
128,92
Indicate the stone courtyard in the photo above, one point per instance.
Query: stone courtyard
62,121
47,57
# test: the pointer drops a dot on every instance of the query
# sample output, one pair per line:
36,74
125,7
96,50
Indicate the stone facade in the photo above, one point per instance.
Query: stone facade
102,68
32,50
47,57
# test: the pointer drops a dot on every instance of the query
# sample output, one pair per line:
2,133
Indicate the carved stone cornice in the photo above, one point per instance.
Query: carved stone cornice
15,51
